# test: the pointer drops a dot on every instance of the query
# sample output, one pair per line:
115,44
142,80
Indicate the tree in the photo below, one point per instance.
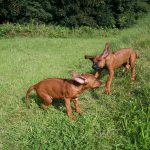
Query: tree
74,13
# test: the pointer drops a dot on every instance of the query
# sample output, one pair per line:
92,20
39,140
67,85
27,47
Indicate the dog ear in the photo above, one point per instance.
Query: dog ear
106,50
79,78
89,57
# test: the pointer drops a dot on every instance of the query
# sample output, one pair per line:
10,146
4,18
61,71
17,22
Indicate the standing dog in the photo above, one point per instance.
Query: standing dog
111,61
67,89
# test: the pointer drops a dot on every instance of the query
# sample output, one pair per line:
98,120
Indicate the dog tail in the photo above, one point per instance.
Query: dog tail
27,95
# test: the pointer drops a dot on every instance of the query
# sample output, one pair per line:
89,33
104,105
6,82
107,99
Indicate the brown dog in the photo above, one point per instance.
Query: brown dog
111,61
67,89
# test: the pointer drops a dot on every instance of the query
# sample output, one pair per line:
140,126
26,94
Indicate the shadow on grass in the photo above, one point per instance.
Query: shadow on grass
58,104
94,94
37,99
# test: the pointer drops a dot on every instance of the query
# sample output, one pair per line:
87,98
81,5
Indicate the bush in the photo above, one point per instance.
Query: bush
34,29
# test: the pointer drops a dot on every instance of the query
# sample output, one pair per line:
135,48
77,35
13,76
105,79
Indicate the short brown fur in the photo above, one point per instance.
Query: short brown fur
111,61
68,89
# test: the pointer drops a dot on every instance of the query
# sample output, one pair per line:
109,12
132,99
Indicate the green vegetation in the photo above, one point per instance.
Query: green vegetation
116,121
34,30
74,13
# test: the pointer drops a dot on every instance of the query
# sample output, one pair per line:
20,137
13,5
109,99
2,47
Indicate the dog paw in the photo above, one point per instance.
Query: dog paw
78,111
107,91
43,106
132,79
73,117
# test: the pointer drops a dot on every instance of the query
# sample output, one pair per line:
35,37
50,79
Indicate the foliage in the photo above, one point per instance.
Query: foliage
34,30
75,13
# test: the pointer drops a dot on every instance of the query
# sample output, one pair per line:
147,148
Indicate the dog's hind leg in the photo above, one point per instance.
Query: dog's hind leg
126,67
132,64
47,100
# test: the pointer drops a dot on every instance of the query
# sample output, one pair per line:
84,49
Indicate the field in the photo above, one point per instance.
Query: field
116,121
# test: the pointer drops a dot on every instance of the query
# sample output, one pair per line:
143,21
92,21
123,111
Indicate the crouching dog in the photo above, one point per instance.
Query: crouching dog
67,89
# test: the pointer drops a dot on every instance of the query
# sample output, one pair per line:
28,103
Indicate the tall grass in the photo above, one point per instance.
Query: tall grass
35,30
116,121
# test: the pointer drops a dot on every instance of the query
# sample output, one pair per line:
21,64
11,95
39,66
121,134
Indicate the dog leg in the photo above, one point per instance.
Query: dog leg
109,80
133,73
127,67
47,100
76,104
68,108
132,62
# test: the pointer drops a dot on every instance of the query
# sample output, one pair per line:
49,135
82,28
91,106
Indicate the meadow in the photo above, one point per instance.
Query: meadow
117,121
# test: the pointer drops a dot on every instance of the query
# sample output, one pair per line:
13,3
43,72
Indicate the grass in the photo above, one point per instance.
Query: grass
116,121
31,29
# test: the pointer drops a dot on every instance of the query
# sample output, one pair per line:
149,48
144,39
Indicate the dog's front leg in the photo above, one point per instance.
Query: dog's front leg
68,108
109,80
76,104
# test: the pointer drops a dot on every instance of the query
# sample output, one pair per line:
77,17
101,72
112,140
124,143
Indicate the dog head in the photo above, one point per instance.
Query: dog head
88,80
99,61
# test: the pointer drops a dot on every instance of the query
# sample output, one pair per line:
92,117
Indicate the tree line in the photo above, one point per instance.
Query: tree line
74,13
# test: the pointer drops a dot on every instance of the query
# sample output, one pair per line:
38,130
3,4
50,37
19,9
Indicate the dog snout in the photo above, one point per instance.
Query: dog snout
95,67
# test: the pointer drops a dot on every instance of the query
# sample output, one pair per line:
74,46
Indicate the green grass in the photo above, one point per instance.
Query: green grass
116,121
